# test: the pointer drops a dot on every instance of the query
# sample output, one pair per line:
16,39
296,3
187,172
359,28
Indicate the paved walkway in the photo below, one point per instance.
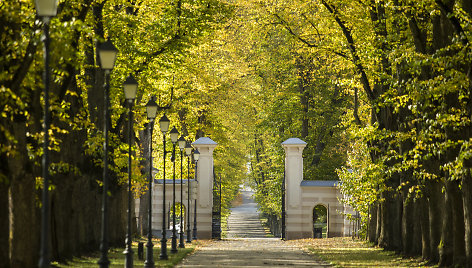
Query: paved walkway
247,245
244,219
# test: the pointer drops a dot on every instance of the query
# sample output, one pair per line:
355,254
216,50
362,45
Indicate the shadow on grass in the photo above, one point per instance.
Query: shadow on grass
117,258
345,252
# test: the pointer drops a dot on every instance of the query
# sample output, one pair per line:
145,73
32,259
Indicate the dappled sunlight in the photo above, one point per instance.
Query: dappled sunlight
346,252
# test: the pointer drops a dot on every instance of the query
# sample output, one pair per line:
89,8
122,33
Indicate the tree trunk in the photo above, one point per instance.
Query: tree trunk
61,221
458,223
303,81
424,223
143,199
4,225
24,212
390,235
25,225
435,218
397,223
378,230
118,217
417,236
408,221
446,252
373,224
467,203
386,232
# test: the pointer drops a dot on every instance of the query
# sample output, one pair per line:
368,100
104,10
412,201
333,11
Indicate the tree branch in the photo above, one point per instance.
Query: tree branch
355,57
448,12
287,27
303,40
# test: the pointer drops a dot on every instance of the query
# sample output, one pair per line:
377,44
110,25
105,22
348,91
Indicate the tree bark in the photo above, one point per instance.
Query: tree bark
303,82
408,222
4,225
446,252
467,204
435,218
373,224
390,235
25,231
458,223
378,230
143,203
424,223
24,212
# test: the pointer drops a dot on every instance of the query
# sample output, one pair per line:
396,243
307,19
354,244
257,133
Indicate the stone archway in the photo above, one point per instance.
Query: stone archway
320,221
178,205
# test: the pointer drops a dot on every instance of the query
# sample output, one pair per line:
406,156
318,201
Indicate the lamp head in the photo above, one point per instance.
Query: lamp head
46,8
130,86
151,109
196,154
107,55
164,123
188,149
182,143
174,135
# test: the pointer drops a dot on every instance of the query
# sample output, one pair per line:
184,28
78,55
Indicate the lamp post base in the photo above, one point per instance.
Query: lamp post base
128,258
189,236
181,241
174,243
163,255
149,263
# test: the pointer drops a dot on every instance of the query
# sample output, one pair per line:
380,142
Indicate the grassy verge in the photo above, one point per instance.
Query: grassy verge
265,225
117,259
224,225
346,252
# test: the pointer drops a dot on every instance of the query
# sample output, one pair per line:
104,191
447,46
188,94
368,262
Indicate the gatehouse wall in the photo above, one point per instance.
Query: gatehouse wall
303,195
200,190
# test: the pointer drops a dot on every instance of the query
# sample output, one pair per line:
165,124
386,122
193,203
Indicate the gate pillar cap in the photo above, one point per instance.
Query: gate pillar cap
294,141
204,141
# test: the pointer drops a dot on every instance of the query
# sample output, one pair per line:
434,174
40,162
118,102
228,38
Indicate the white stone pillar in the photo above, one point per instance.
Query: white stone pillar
293,177
205,146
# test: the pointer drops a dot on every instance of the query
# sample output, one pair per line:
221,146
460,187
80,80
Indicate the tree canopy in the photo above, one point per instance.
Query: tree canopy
380,90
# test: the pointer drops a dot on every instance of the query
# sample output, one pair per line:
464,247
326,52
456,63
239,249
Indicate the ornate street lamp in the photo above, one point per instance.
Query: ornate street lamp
45,10
196,156
182,143
151,110
106,56
188,152
130,87
174,136
164,126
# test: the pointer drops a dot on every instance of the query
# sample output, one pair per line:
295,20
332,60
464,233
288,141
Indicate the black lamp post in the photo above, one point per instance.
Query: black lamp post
196,156
151,110
182,143
107,56
130,87
45,9
188,152
174,136
164,126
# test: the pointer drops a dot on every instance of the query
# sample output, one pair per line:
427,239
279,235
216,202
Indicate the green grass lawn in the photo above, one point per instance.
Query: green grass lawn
346,252
117,259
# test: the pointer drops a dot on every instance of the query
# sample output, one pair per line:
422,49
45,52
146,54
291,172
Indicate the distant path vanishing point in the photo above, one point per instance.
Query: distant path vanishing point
247,244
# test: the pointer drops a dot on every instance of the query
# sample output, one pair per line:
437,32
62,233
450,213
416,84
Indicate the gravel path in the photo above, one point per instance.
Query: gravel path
247,246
